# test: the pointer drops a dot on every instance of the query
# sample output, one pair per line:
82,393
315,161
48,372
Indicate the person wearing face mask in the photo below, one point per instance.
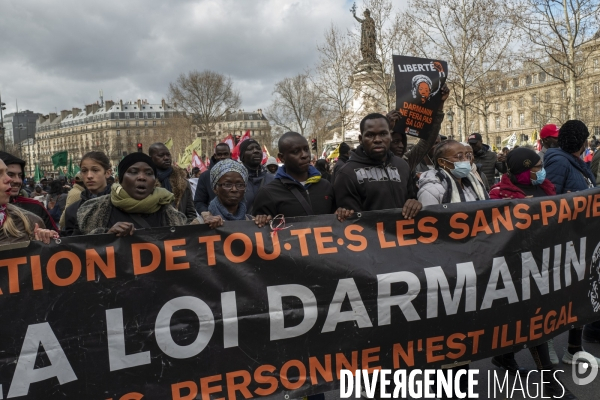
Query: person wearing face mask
475,168
526,177
564,166
452,180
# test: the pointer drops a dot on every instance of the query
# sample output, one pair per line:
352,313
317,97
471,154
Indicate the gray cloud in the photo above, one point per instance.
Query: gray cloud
58,54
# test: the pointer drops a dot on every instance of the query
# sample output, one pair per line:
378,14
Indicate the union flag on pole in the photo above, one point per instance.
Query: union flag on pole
266,155
229,141
235,154
197,162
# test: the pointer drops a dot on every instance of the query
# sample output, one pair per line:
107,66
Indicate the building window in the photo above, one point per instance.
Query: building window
577,91
534,99
162,122
578,111
596,130
128,132
521,119
498,141
521,102
153,123
509,121
547,95
118,132
563,94
496,106
251,124
137,123
596,65
515,82
596,88
497,122
117,123
145,123
508,104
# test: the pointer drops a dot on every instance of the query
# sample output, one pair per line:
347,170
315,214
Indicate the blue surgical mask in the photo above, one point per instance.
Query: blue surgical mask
462,169
540,177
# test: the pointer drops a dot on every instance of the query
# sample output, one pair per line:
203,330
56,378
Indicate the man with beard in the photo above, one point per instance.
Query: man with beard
15,167
174,179
299,188
204,190
251,156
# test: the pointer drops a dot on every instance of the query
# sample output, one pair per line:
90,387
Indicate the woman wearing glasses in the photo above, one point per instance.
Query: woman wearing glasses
229,179
452,180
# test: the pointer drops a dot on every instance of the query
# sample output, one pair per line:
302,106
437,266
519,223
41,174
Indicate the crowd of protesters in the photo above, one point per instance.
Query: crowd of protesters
383,172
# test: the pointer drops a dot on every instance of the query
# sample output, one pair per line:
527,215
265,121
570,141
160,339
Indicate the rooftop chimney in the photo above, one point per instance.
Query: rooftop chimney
108,104
64,113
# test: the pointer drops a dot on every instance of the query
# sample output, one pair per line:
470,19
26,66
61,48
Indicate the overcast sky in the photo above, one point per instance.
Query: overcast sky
58,54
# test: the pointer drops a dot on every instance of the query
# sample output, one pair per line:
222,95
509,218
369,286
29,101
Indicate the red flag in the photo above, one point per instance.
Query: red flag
197,162
235,154
229,141
266,155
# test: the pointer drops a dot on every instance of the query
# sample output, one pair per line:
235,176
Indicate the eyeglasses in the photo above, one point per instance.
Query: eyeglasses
462,157
229,186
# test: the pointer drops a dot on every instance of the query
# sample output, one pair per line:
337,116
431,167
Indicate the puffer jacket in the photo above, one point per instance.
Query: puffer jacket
432,189
567,172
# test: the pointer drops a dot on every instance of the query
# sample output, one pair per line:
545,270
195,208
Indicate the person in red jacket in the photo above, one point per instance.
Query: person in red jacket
526,177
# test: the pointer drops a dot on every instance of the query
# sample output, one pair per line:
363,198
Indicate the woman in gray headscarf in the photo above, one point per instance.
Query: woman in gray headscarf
229,179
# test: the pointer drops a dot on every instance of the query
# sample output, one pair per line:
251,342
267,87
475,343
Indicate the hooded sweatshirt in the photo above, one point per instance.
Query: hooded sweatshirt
567,172
364,184
277,198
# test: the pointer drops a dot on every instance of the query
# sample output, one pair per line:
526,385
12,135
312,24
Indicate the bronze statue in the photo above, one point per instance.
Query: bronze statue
368,36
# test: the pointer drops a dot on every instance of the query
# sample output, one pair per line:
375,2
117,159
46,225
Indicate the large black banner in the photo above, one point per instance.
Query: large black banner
418,93
240,312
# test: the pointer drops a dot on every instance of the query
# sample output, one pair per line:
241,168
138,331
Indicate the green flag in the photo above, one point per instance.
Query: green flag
70,173
60,159
38,174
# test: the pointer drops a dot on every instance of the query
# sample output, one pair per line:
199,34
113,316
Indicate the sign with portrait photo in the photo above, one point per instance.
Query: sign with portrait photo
418,93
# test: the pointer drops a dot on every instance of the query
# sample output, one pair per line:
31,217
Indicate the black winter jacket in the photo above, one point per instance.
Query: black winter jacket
489,163
364,184
276,198
71,226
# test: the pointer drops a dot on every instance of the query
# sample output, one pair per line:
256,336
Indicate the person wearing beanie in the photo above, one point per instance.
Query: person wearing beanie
251,156
298,189
15,167
564,166
549,138
342,159
272,165
174,179
526,177
134,203
204,193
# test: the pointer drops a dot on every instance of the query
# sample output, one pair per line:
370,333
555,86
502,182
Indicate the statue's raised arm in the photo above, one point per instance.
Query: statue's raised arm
353,11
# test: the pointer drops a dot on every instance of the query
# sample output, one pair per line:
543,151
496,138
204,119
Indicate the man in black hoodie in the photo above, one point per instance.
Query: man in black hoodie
374,178
298,188
204,191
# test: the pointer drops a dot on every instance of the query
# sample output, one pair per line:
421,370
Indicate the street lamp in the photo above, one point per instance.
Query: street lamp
450,116
2,124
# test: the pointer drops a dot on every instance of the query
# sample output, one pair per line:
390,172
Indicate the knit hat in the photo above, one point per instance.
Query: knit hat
10,159
131,159
521,159
244,145
225,166
271,161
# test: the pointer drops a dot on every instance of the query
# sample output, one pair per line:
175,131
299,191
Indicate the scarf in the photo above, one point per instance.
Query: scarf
3,215
454,193
151,204
215,207
164,177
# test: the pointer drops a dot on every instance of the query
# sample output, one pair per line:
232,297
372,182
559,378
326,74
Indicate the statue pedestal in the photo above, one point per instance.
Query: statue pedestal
368,81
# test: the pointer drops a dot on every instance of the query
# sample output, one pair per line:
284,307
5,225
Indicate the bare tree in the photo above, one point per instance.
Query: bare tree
294,104
472,35
205,97
333,79
557,32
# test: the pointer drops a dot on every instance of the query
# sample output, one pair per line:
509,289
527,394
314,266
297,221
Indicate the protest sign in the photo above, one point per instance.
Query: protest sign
240,312
418,93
